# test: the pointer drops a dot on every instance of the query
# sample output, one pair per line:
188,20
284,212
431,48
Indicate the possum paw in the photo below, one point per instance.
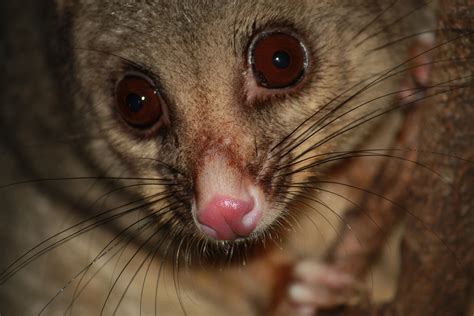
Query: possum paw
321,286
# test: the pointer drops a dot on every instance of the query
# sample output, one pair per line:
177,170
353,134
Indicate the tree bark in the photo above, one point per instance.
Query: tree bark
437,276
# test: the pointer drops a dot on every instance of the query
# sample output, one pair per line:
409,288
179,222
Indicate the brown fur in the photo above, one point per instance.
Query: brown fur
195,51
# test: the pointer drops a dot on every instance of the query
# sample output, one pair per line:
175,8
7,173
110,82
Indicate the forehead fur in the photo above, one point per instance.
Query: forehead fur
195,51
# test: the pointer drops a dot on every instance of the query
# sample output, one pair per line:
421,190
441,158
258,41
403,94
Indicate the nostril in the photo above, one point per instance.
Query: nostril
228,218
209,231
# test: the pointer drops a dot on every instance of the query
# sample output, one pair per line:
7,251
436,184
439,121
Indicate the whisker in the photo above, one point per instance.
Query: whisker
149,220
349,156
372,83
137,271
161,163
124,59
35,253
169,246
80,288
170,208
373,152
316,210
397,106
122,272
404,38
399,19
176,269
378,17
395,204
374,115
59,179
145,277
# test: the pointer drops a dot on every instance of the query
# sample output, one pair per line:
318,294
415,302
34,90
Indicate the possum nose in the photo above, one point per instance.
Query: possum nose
228,218
228,202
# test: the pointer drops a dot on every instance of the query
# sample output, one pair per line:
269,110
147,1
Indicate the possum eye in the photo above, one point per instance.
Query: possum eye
278,60
138,101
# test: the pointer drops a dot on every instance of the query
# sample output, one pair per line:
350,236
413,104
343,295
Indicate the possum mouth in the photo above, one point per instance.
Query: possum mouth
268,186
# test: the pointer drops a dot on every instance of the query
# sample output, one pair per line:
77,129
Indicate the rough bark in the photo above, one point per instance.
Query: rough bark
437,276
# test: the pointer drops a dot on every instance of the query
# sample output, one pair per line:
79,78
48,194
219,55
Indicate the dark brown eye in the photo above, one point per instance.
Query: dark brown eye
138,101
278,60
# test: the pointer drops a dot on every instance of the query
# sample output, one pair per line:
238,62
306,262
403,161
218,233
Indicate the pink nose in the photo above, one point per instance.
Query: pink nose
226,218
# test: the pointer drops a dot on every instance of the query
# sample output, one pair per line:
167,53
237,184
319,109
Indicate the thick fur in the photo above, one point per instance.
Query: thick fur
62,123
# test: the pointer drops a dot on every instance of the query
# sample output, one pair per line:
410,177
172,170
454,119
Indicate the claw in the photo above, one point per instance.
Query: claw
319,285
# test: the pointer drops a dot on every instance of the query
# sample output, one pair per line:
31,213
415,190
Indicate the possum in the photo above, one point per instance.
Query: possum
198,157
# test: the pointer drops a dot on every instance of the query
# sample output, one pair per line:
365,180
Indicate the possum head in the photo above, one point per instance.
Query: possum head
231,102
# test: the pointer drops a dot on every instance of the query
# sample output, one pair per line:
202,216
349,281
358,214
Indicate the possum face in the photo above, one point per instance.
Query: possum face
231,103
